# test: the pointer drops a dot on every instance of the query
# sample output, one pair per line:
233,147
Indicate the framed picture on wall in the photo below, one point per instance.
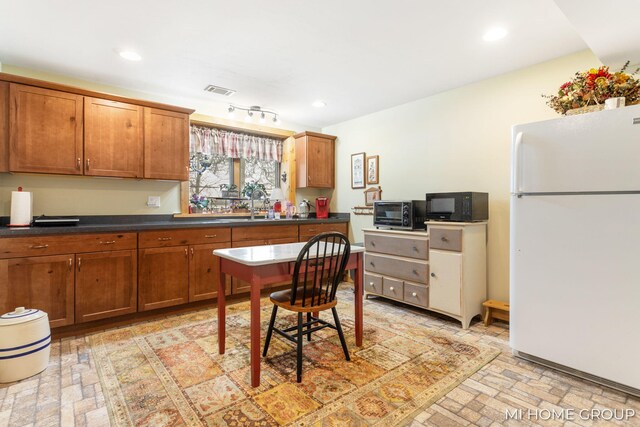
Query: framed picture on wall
372,170
358,170
371,195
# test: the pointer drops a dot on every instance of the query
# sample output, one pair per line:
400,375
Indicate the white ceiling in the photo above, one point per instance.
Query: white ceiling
359,56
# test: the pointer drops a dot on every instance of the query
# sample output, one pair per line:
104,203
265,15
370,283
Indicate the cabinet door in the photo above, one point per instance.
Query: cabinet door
320,162
166,144
204,276
45,283
445,281
4,127
112,138
106,284
45,131
163,277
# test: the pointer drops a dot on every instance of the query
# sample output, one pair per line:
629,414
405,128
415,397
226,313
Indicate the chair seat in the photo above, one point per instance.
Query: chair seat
283,299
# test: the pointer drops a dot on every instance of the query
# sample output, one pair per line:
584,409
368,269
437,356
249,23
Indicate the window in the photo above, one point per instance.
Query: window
220,159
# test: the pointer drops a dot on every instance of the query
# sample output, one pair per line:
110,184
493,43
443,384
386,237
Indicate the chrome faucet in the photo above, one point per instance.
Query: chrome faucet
255,190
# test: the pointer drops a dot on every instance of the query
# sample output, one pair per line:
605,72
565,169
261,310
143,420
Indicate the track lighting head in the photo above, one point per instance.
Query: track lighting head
251,110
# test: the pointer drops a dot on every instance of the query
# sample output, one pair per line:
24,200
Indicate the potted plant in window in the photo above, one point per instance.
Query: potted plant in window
198,203
229,190
249,188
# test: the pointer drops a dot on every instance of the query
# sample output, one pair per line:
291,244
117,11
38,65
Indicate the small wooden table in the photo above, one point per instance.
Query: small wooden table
265,265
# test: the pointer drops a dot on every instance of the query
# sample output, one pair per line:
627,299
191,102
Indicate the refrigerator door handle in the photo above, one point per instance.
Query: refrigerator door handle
516,187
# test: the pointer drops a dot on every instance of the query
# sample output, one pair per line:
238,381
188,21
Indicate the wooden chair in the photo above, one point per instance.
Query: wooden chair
317,273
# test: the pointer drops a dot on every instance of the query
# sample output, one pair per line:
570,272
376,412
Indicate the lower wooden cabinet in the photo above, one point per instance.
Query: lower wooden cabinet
307,231
164,277
203,272
44,282
106,285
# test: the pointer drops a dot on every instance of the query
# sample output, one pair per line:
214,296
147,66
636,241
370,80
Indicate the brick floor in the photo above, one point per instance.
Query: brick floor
69,393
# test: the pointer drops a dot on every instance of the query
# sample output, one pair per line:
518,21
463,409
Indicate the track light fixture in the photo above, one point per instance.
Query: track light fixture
250,112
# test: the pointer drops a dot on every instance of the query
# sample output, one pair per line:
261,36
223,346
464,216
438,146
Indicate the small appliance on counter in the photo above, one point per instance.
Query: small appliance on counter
458,207
21,208
322,207
55,221
399,215
303,209
25,344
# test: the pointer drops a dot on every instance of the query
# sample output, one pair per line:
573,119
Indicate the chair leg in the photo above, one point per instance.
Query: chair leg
300,338
309,327
340,334
270,330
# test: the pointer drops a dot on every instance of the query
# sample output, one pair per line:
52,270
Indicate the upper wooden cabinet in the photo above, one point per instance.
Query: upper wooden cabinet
166,144
45,131
315,160
52,128
4,127
113,138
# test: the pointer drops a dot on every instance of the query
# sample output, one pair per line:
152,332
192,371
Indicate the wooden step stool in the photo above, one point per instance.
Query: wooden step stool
495,310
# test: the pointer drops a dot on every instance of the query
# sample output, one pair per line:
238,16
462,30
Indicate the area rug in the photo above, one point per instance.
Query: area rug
168,372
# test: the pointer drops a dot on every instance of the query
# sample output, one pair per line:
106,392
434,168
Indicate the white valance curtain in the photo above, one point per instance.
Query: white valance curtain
222,142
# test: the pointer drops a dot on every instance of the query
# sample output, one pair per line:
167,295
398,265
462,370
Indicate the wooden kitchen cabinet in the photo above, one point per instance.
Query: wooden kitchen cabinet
315,160
307,231
166,144
458,269
113,138
45,130
106,284
4,127
43,282
164,277
184,260
204,273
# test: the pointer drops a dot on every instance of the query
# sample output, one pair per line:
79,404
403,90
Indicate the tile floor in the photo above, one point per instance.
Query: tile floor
68,392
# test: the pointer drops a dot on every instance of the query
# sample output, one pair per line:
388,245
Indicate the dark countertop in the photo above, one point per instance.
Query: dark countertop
133,223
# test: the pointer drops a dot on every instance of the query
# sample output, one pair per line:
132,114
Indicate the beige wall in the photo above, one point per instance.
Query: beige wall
458,140
63,195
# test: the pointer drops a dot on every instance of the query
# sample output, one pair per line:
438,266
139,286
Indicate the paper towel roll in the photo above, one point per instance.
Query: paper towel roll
20,208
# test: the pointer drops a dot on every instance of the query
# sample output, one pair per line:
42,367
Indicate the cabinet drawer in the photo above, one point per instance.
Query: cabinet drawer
445,238
373,283
400,246
413,270
264,232
392,288
69,243
417,294
307,231
192,236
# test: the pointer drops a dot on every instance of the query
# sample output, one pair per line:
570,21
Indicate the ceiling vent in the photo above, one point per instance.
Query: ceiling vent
219,90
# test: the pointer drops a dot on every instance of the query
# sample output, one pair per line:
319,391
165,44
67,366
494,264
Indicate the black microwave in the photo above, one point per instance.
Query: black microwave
463,207
401,215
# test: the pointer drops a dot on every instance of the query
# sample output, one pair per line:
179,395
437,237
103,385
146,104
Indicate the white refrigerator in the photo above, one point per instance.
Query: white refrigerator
575,245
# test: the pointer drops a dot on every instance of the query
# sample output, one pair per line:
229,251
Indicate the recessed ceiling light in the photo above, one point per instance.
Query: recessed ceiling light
319,103
494,34
130,55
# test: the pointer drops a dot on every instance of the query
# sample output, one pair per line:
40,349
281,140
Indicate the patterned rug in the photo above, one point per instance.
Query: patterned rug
168,372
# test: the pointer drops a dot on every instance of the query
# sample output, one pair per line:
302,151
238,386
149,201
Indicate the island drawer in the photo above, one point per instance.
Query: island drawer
402,268
264,232
191,236
307,231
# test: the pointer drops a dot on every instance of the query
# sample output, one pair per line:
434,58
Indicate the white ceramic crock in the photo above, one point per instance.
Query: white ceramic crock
25,344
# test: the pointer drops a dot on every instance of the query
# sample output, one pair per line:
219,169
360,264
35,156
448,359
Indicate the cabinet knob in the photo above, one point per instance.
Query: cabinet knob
186,252
88,164
415,249
78,163
390,288
309,177
108,242
191,253
413,294
373,243
444,239
70,263
415,272
433,274
372,285
210,236
39,247
371,264
164,239
79,263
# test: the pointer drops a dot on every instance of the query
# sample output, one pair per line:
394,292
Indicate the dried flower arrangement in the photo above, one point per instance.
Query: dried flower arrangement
593,87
